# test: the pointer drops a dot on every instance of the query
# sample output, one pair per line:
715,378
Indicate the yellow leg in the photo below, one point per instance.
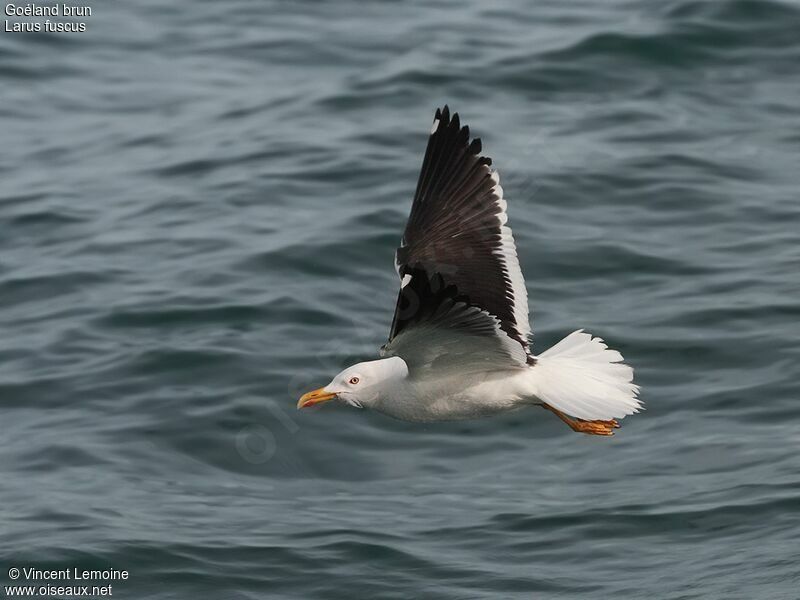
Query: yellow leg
589,427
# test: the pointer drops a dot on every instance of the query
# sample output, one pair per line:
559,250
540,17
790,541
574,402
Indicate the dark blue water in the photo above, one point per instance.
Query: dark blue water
199,206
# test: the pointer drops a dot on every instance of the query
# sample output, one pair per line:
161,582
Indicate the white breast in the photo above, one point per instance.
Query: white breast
457,397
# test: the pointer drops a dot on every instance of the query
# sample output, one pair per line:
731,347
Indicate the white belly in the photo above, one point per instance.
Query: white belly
453,398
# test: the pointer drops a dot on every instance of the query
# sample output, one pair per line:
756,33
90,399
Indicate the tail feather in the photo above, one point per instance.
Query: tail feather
584,378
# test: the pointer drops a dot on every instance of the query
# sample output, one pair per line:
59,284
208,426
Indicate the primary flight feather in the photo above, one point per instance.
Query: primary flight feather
459,343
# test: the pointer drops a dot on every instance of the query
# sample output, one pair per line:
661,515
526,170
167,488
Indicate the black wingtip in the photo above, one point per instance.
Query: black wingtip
452,124
448,120
475,147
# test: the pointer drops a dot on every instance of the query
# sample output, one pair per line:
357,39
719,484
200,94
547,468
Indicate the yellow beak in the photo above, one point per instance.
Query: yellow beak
315,397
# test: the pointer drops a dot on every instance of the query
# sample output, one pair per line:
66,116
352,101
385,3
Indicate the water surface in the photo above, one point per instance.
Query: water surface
199,206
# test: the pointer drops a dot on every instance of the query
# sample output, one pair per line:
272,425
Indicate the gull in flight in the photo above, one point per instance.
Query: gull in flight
459,346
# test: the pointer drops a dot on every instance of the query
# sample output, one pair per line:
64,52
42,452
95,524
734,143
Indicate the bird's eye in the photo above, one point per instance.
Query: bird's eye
354,380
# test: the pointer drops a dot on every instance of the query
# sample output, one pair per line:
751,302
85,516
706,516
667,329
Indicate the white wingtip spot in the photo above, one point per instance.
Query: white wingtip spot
435,126
405,281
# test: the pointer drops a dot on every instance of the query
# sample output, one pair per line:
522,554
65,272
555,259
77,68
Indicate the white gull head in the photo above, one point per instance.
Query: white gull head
361,385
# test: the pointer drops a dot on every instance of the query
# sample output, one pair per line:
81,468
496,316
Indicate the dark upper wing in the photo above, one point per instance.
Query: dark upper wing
456,248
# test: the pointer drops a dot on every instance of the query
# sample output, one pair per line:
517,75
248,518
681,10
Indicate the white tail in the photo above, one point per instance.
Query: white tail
584,378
